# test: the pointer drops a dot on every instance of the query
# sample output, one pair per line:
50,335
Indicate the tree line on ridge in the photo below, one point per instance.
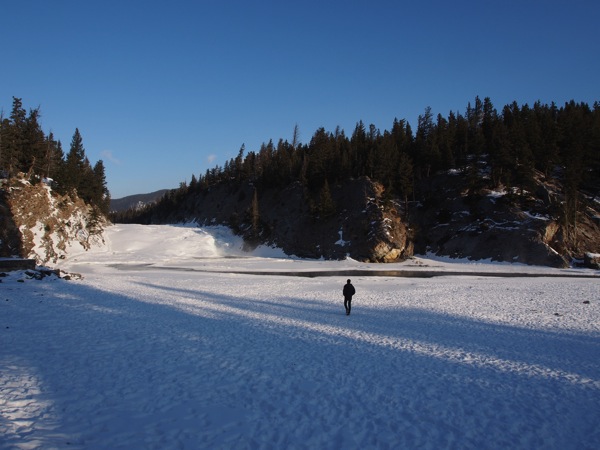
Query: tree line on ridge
514,143
25,148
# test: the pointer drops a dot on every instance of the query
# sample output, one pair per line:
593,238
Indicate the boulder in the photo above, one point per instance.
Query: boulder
592,260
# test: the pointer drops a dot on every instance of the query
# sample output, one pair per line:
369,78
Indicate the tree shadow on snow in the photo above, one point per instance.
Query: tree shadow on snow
105,357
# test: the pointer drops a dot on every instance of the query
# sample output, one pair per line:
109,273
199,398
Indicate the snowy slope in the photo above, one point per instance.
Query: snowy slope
162,345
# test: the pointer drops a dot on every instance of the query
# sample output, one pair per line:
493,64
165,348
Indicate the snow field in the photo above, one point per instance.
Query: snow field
153,357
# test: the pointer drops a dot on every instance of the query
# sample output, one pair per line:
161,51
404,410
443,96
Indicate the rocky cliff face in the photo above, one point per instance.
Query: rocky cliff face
356,219
39,224
360,223
503,225
453,219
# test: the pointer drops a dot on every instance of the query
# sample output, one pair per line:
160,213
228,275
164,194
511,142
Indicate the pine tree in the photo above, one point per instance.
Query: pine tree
74,164
475,116
488,123
296,137
386,160
255,215
34,145
405,178
239,164
326,203
319,158
425,152
101,195
358,145
53,158
3,127
13,138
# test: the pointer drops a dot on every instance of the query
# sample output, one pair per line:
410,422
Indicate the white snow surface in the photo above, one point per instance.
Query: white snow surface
168,343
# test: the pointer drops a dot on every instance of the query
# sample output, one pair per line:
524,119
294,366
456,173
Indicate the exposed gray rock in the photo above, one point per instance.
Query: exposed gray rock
454,219
592,260
500,226
42,225
359,224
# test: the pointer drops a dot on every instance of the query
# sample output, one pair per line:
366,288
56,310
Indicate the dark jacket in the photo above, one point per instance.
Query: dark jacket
349,290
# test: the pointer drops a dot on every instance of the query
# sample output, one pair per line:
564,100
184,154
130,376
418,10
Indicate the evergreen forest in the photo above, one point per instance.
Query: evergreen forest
25,148
514,143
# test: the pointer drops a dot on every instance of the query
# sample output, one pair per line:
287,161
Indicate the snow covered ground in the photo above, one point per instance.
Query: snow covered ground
167,343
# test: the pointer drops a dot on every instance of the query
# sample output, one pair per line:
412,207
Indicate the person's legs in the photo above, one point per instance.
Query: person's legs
349,306
346,305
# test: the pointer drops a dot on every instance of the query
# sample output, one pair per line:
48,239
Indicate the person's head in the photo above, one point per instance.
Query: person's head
348,282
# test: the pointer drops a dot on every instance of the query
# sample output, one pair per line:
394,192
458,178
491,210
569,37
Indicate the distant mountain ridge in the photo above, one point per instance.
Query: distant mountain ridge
136,200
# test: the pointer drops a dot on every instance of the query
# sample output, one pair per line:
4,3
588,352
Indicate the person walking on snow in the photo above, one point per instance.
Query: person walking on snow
348,292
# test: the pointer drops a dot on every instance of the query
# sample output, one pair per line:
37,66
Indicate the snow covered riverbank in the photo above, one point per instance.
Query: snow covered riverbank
154,349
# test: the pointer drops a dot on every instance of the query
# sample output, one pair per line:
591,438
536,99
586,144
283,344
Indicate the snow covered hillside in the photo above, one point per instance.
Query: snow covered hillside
175,338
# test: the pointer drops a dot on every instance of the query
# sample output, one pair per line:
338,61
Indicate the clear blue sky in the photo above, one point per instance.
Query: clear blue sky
163,90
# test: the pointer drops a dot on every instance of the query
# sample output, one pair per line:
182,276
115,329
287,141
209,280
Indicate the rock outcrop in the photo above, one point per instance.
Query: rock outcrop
357,222
359,219
42,225
592,260
501,225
